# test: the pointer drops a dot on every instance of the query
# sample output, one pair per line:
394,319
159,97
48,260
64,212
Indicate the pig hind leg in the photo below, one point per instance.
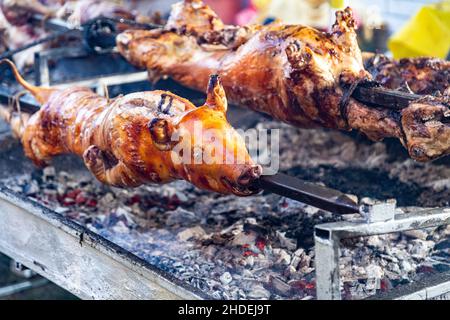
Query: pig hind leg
107,169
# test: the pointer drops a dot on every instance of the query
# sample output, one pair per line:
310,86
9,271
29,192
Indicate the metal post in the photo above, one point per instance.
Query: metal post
327,254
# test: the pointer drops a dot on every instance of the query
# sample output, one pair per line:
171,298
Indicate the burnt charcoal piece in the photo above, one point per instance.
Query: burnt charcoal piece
125,141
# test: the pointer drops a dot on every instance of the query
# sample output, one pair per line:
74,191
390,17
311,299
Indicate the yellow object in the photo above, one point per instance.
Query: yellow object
261,4
337,4
426,34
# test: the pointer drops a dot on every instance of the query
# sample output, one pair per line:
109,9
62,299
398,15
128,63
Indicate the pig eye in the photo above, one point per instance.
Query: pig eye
161,131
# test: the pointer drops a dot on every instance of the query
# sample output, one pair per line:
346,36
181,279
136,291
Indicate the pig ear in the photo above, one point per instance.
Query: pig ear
161,131
216,98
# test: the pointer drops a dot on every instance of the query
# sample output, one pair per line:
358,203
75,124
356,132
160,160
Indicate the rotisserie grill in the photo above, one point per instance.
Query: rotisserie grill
294,73
91,200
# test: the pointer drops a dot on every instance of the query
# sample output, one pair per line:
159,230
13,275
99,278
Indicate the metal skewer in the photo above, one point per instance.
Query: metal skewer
309,193
27,103
381,97
101,32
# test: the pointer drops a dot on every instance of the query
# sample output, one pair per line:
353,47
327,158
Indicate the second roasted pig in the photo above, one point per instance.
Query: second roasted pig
295,73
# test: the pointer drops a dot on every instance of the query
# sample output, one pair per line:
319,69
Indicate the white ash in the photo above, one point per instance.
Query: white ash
260,247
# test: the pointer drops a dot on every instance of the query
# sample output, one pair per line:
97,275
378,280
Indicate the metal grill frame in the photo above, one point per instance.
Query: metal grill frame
97,269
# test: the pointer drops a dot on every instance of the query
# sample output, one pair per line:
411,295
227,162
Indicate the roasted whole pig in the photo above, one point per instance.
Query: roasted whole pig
128,141
418,75
294,73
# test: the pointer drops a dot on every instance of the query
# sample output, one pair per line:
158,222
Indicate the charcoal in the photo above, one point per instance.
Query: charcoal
420,248
279,287
282,257
120,227
374,271
442,245
48,173
286,242
190,233
31,188
417,234
261,247
407,266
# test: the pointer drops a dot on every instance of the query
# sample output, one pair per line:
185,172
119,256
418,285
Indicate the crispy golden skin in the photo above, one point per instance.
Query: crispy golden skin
294,73
127,141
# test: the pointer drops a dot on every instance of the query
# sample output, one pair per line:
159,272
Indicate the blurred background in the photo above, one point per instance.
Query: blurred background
399,28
